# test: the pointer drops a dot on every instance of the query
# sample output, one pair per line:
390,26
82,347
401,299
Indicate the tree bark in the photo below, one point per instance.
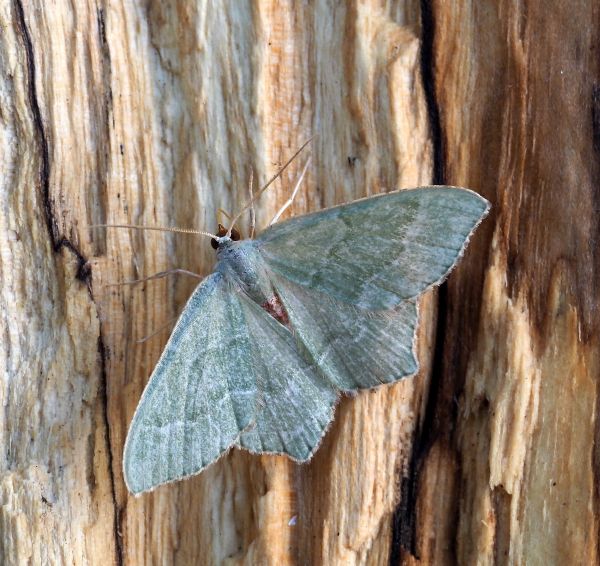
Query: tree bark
517,92
155,114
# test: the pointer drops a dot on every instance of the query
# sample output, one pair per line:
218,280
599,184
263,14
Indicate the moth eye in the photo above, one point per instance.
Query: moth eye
214,243
235,234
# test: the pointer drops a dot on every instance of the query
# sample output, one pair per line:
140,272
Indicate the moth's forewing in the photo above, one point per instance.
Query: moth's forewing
376,252
229,374
200,395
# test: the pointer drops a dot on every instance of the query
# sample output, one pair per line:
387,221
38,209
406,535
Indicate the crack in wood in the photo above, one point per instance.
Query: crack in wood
83,270
404,521
39,126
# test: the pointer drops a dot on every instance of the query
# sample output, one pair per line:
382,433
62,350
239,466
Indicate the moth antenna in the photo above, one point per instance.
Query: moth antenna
158,228
252,211
268,183
224,213
289,201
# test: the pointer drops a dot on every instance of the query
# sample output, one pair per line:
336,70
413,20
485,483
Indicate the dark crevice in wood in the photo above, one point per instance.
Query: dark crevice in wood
58,242
39,127
428,78
596,117
405,520
110,460
83,267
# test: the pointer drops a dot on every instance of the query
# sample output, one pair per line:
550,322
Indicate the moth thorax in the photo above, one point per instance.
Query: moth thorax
222,231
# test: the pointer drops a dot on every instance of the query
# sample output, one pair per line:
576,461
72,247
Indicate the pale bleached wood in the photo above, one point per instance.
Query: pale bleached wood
56,487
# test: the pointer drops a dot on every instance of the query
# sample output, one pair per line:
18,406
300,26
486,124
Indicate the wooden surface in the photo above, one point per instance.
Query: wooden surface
154,114
519,111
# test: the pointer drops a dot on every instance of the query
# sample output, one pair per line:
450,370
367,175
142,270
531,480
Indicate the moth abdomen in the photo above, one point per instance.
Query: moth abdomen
275,308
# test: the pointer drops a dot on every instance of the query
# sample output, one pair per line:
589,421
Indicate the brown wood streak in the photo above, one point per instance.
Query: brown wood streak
521,454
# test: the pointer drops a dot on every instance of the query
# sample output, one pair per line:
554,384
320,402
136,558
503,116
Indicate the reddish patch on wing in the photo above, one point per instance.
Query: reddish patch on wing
276,309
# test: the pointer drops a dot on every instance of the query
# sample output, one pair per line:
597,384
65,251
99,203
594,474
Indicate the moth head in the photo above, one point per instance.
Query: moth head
222,233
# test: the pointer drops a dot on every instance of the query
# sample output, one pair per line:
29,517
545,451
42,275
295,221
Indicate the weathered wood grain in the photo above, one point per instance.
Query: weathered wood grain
155,113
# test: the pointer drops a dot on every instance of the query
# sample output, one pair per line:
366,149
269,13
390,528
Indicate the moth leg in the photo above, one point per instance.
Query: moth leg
159,275
289,201
252,211
157,331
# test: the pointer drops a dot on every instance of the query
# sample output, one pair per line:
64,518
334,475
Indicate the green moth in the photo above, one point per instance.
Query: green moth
315,306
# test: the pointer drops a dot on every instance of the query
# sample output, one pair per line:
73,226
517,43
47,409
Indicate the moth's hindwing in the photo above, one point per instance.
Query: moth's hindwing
353,347
296,402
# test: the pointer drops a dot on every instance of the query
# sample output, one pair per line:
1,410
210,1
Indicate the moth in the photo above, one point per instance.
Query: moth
314,307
